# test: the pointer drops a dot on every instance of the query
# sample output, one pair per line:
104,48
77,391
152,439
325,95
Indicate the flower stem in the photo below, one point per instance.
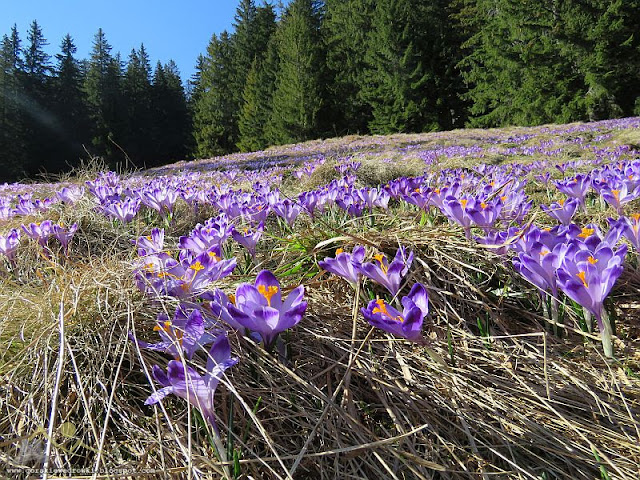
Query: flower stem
606,333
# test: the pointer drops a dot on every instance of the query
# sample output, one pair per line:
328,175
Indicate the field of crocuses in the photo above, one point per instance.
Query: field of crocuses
445,305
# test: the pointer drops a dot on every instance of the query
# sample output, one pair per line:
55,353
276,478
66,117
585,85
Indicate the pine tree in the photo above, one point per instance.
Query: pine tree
171,122
396,79
214,114
259,86
37,105
298,96
136,86
519,69
102,89
252,118
13,148
68,107
346,27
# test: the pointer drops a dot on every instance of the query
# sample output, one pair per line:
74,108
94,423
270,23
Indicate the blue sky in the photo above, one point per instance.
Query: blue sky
178,30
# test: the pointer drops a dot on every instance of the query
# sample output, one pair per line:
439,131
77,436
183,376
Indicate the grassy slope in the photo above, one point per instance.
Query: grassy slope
350,402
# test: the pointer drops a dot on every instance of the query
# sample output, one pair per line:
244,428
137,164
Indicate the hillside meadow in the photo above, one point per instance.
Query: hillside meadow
451,305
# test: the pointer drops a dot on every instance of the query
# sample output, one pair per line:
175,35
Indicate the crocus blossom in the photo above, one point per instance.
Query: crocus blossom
389,275
407,324
260,307
345,265
185,382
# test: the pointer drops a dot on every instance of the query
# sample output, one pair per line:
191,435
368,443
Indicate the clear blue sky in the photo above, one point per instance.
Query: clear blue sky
178,30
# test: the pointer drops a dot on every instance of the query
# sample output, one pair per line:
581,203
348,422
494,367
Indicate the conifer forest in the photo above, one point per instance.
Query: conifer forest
318,69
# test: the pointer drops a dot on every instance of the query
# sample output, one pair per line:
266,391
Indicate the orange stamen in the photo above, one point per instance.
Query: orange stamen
592,260
581,275
463,202
339,251
382,308
379,257
268,292
586,232
197,266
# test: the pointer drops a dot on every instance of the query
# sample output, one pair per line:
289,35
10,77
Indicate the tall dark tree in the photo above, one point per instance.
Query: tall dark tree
214,114
396,79
37,105
68,107
136,86
13,157
298,97
102,89
171,123
259,86
346,27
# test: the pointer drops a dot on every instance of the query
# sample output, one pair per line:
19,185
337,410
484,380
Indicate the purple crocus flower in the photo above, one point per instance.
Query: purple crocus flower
389,275
64,234
260,308
485,214
151,244
9,245
71,195
407,324
587,277
345,265
287,210
630,228
249,239
194,276
124,210
618,195
39,231
576,187
184,333
184,382
561,210
217,303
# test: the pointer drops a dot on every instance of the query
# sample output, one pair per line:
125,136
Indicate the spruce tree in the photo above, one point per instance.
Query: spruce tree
68,106
346,27
36,103
171,125
136,86
214,114
298,96
102,90
396,79
13,147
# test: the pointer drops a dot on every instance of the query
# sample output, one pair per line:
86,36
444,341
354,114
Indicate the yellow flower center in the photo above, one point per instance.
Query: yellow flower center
581,275
380,257
214,256
544,252
463,202
232,298
616,194
382,308
561,202
484,205
586,232
592,260
339,251
268,292
197,266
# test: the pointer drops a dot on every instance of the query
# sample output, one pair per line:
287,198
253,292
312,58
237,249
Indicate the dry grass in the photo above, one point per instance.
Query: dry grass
492,395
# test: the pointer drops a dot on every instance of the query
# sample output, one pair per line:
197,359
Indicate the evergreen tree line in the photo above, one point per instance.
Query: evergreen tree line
321,69
56,111
383,66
